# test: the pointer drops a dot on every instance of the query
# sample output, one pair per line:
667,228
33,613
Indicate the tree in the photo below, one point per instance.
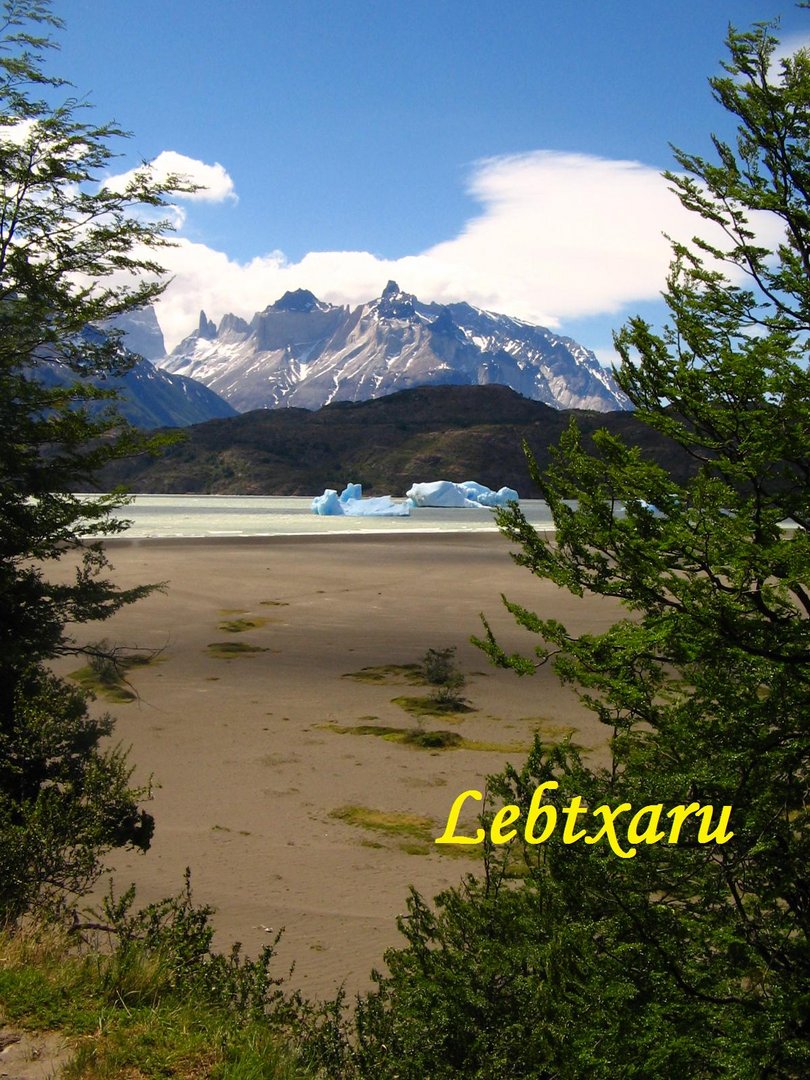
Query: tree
73,255
690,958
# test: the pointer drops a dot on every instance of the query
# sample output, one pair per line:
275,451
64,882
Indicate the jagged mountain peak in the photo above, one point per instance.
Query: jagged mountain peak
395,304
298,300
206,329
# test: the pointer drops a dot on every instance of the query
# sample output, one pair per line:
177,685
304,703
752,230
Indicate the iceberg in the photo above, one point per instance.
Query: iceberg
350,503
439,493
328,504
445,493
500,497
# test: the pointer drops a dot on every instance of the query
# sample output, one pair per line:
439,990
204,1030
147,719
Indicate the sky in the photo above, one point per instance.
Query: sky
504,153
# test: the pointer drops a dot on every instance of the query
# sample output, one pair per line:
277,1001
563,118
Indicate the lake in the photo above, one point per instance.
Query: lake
270,515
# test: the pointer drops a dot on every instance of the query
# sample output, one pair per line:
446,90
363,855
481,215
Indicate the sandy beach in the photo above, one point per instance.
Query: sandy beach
262,788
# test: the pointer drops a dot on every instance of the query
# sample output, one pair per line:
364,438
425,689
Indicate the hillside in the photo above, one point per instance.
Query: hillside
446,432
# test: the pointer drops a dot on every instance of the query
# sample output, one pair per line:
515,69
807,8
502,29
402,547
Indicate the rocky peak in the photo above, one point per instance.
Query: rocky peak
206,329
297,300
232,322
395,304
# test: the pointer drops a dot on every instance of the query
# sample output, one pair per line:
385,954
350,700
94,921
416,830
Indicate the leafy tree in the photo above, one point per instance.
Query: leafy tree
63,799
689,959
73,254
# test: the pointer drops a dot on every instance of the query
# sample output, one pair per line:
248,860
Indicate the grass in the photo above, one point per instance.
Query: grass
389,674
426,740
124,1018
228,650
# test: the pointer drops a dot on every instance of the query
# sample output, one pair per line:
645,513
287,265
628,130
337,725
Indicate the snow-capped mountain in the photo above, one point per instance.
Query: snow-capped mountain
303,352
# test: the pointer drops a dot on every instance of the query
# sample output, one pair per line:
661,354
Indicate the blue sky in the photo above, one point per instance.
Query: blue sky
503,153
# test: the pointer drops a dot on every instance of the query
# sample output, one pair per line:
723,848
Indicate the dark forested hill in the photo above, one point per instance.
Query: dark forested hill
430,433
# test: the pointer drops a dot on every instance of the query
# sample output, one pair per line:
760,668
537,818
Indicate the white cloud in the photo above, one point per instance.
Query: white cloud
212,181
559,236
790,44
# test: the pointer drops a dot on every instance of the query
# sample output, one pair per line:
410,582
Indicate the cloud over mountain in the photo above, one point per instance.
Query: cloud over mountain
558,236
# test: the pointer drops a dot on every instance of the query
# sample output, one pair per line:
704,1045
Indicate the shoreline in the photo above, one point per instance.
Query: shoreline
382,537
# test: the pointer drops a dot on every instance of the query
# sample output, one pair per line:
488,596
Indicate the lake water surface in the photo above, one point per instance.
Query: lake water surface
270,515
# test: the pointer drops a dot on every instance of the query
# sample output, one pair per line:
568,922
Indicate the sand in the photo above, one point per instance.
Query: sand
248,766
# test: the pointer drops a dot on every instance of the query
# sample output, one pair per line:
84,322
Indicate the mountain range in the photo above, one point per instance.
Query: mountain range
303,352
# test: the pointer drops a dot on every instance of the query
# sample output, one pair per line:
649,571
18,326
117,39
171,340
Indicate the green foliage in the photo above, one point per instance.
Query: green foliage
690,959
440,671
159,1001
65,797
176,933
439,667
73,255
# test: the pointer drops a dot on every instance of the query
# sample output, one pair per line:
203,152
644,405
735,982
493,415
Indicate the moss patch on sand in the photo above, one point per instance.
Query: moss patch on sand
412,833
399,825
548,729
396,823
229,650
239,626
423,706
108,681
425,740
389,674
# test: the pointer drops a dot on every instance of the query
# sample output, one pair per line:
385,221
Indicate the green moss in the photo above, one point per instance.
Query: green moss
429,706
390,822
412,833
107,679
388,674
411,848
115,692
239,626
426,740
549,728
227,650
433,740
